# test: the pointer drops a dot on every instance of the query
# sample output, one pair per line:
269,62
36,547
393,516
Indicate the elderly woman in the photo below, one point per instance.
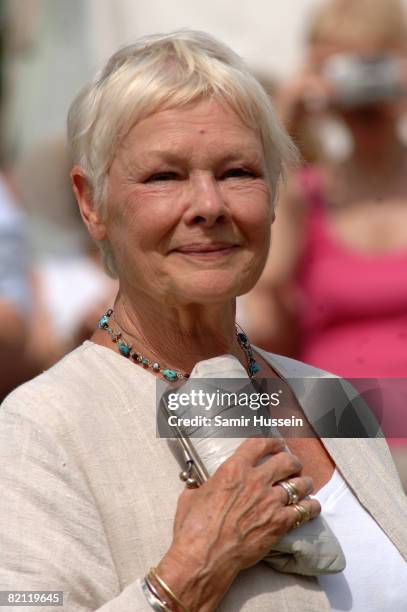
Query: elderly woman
177,160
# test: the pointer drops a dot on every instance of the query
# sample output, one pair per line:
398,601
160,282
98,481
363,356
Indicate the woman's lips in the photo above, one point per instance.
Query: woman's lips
207,250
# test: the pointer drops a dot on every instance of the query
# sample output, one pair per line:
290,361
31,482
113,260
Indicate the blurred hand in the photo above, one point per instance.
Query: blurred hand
306,93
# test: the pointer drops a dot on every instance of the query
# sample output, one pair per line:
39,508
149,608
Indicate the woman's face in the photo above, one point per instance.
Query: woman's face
188,213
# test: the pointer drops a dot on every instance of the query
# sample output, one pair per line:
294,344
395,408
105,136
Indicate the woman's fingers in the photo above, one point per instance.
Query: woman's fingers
269,457
255,449
308,510
279,466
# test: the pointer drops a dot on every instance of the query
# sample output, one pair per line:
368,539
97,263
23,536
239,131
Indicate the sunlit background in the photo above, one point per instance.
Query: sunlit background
53,46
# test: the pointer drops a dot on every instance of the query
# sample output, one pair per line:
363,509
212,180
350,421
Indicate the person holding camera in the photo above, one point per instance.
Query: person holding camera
333,293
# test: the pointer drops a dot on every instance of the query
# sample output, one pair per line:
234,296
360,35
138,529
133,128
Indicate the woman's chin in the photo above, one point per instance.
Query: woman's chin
211,288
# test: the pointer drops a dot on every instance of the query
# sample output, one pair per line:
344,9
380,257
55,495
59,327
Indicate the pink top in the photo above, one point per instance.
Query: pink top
353,318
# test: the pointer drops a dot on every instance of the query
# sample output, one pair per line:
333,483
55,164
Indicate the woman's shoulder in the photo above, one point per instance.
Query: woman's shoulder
90,376
68,374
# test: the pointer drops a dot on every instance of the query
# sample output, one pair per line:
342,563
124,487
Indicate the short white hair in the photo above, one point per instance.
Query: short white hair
161,72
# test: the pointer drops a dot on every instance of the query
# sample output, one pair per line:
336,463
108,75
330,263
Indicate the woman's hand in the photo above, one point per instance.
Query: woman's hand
232,521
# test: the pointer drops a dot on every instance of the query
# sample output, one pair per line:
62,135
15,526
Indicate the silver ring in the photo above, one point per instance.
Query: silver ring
293,494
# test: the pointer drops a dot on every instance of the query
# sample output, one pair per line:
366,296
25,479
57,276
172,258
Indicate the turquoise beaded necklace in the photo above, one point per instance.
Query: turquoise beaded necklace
126,349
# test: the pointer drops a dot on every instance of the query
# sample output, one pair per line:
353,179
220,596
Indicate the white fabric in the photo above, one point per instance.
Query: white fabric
375,578
211,452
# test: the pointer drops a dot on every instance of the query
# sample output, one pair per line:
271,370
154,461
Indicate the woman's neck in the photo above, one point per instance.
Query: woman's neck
376,170
175,337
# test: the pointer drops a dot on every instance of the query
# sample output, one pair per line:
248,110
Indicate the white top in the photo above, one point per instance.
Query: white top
375,577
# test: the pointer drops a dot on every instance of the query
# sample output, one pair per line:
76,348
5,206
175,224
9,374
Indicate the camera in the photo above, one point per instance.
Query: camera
363,80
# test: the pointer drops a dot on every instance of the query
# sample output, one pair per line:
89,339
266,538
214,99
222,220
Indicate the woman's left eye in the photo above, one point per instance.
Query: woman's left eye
239,173
162,176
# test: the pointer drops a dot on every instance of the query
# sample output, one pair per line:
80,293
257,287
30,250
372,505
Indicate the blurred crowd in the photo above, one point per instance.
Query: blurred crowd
333,293
52,285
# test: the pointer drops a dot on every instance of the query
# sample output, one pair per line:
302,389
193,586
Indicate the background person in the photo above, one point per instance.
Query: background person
15,292
70,285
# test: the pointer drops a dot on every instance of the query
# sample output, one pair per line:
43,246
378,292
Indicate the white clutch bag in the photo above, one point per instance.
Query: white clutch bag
312,548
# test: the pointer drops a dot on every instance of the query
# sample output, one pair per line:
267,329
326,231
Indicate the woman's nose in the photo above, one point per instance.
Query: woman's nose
207,205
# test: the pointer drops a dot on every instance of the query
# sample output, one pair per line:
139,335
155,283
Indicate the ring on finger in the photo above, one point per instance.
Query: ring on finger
303,515
293,495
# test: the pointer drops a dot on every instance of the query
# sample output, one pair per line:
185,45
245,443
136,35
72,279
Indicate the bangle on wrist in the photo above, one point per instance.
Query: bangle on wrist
155,602
155,592
166,589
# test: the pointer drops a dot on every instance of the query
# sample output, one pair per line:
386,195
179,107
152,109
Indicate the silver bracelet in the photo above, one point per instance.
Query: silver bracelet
153,601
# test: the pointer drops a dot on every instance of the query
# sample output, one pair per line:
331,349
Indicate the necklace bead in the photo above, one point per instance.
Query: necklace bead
124,348
104,322
254,368
170,375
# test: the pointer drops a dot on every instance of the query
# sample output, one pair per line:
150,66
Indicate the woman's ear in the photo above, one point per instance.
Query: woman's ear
90,214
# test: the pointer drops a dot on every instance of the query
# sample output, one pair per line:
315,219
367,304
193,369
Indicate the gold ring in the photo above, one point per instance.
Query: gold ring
293,495
303,514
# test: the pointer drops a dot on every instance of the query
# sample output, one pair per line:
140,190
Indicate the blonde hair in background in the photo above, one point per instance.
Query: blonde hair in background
379,23
160,72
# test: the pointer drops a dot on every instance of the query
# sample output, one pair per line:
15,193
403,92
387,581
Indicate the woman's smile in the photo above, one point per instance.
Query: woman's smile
207,251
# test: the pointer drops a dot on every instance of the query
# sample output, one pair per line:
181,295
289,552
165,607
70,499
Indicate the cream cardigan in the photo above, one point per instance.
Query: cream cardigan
88,492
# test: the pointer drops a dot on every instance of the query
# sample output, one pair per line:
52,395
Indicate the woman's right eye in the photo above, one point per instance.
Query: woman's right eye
162,176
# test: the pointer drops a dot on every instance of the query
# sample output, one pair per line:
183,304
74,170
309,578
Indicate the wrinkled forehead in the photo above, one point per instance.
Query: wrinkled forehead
206,105
207,121
208,130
